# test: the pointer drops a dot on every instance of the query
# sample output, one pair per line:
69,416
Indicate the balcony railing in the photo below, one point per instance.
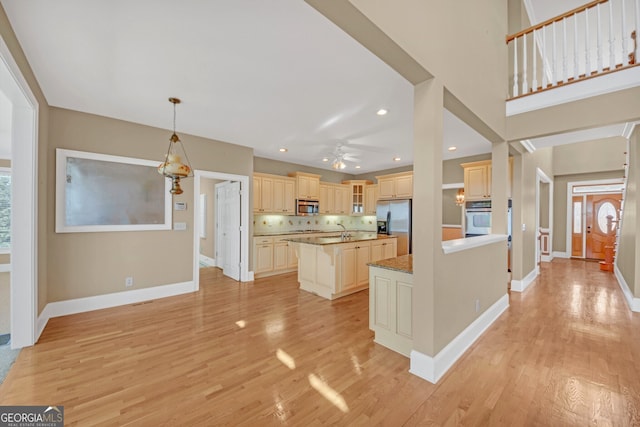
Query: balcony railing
597,38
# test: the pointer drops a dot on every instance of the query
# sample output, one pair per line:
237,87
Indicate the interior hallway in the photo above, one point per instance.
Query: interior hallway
265,353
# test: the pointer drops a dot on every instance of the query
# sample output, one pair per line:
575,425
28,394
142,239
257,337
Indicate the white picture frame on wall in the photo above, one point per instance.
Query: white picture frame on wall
104,193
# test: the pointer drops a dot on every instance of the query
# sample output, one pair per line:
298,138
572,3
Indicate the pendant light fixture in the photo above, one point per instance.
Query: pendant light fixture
460,197
172,167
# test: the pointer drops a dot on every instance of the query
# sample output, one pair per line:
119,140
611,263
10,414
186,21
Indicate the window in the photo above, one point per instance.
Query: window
5,210
606,210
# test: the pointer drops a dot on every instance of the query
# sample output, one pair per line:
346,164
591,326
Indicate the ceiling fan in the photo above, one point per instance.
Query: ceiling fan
339,156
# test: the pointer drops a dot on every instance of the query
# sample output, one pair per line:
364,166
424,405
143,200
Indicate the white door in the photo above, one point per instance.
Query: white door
231,230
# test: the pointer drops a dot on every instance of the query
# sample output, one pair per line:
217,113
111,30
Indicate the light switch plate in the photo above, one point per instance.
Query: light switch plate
180,226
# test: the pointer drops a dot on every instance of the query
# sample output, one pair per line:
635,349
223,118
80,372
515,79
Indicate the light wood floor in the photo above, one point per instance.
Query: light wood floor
566,352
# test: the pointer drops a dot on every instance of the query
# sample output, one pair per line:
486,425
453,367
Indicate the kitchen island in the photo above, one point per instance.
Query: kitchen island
390,306
335,266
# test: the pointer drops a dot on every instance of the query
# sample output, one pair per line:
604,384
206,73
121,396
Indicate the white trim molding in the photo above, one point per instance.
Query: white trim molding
433,368
209,262
98,302
634,302
557,254
521,285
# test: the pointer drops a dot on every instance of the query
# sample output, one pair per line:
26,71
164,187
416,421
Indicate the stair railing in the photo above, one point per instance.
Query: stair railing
572,47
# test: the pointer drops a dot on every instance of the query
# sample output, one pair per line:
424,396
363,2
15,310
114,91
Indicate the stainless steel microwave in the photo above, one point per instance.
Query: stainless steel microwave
307,207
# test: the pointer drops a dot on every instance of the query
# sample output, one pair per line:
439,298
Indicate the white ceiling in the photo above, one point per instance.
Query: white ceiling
260,74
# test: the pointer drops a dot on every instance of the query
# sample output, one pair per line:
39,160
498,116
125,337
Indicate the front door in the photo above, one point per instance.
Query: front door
601,232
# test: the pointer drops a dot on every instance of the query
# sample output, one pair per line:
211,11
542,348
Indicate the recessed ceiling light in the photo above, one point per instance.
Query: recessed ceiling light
357,166
452,148
396,159
283,150
382,112
325,159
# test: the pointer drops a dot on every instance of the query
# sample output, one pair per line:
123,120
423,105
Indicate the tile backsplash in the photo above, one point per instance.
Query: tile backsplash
287,223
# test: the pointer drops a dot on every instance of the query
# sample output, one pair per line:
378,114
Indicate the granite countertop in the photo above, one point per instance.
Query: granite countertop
402,263
336,239
294,232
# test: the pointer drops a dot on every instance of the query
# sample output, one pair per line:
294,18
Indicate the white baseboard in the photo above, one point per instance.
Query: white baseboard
81,305
251,276
521,285
5,268
560,255
209,262
433,368
546,258
634,303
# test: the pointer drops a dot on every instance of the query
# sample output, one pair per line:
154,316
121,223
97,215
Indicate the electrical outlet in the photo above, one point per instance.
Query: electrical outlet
128,282
477,306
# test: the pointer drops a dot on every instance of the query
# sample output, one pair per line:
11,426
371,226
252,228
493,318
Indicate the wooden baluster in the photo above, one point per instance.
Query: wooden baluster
525,87
612,50
587,45
625,57
576,71
565,72
534,81
544,57
515,89
554,74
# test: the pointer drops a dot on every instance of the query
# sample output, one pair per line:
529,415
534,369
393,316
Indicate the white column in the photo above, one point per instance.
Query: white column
637,30
554,73
515,67
544,57
625,54
587,46
576,71
612,39
565,71
525,87
534,82
599,38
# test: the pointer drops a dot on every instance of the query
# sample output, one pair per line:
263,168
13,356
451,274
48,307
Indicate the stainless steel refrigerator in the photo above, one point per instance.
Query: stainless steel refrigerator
396,214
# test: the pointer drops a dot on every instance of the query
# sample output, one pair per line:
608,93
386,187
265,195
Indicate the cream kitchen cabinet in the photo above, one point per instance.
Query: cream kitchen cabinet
395,186
308,185
357,196
477,180
354,271
273,255
263,255
334,199
273,194
384,249
370,199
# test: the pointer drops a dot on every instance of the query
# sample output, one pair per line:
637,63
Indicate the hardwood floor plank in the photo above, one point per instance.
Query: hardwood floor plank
265,353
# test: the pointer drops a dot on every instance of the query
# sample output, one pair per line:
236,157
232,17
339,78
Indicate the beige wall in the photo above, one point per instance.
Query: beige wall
208,244
544,204
629,244
592,156
484,278
7,34
371,176
453,173
88,264
526,214
426,32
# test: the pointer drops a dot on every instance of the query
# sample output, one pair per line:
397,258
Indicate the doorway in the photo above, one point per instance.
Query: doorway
24,142
231,219
594,219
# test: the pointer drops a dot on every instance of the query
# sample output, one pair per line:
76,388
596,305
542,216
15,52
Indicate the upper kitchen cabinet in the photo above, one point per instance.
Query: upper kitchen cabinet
308,185
357,196
274,194
334,198
477,180
395,186
370,199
